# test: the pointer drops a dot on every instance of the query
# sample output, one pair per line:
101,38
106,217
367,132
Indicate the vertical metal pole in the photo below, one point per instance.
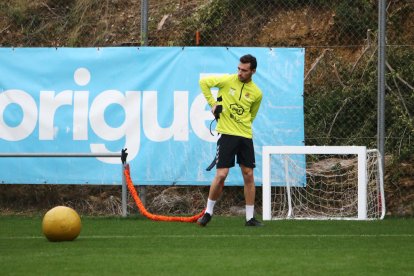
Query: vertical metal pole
144,22
381,79
143,194
124,193
144,42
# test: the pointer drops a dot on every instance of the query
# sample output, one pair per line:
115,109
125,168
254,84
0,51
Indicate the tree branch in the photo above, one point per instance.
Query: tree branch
5,29
316,62
337,76
398,76
399,94
336,116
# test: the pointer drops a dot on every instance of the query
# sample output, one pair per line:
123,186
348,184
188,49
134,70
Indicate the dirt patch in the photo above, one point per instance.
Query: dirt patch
298,27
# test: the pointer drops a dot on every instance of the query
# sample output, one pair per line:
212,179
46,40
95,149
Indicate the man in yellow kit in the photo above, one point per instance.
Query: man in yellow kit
238,101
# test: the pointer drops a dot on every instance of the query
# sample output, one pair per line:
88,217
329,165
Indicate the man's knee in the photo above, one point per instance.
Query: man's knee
221,174
247,172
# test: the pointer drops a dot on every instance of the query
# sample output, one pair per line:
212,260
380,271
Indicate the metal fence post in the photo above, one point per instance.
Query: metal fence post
144,22
381,78
124,192
144,42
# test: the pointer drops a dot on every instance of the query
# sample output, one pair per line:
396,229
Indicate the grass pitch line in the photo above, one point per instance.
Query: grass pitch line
252,236
226,236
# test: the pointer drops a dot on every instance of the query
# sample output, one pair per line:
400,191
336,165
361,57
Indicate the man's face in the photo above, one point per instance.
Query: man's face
244,72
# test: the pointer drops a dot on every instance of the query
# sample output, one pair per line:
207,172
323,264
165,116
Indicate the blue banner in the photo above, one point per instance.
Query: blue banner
147,99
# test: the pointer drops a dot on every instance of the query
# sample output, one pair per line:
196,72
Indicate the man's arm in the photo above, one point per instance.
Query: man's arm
255,107
206,84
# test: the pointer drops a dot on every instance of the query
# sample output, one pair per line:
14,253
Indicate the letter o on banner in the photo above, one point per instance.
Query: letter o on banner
29,120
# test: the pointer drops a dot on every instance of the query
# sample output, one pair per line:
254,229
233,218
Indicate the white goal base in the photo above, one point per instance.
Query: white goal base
322,182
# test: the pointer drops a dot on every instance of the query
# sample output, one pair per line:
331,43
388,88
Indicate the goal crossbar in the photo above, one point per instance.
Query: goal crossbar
359,151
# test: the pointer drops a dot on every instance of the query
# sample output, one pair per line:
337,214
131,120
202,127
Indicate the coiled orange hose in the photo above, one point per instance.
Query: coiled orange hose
144,211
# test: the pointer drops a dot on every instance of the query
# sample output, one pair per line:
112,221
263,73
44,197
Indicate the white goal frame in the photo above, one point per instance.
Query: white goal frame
361,153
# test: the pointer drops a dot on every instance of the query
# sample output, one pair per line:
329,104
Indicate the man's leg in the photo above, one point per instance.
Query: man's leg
249,195
249,186
216,188
217,184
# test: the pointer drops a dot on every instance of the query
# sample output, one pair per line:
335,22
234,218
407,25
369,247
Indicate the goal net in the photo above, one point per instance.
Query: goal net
322,182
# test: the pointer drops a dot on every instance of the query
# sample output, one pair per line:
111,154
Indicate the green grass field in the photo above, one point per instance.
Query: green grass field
137,246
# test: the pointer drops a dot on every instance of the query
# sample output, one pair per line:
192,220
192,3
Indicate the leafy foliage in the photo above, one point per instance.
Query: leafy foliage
354,19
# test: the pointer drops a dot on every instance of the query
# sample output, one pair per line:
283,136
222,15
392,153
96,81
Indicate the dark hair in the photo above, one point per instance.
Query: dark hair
249,59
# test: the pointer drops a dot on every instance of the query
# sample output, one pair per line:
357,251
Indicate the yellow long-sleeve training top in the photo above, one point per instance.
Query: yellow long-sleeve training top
241,102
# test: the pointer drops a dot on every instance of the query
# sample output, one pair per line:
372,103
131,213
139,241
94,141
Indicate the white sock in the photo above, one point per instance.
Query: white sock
210,206
249,212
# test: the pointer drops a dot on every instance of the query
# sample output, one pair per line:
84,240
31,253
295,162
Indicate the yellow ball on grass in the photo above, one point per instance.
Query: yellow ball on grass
61,223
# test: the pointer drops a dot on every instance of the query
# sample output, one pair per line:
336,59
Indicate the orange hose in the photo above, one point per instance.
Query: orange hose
144,211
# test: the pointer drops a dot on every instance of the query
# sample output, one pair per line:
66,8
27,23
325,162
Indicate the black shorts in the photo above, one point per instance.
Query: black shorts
229,146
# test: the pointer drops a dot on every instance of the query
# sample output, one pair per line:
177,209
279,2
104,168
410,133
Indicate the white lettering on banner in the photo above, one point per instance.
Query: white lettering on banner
129,128
179,126
198,115
28,123
82,76
80,121
130,101
48,105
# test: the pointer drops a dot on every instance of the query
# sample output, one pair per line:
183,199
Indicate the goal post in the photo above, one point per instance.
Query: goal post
322,182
